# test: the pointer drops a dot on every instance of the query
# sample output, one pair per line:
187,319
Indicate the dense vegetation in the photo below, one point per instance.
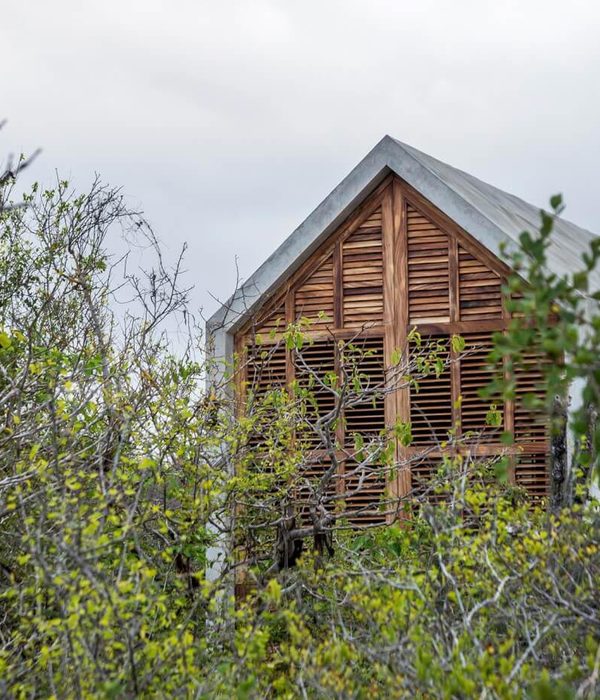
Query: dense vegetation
117,486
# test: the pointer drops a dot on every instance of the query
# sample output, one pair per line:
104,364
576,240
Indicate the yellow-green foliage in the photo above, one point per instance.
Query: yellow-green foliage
117,476
445,610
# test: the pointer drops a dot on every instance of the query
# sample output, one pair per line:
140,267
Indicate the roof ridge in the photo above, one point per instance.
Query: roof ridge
491,215
410,150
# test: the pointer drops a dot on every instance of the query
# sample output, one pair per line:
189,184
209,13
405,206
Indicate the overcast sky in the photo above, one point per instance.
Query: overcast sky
230,121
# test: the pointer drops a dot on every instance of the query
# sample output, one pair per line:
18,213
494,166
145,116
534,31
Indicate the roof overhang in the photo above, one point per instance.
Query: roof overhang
493,217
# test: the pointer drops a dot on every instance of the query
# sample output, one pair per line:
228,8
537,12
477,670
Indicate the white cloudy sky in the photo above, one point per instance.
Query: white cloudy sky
229,121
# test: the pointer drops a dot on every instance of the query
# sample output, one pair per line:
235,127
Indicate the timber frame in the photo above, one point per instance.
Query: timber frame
468,302
318,267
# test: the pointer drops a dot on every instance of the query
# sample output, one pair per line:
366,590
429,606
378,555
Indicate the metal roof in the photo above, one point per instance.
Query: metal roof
489,214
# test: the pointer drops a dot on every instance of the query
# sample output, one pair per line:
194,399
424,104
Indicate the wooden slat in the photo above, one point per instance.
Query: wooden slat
312,365
428,270
314,299
529,425
266,371
362,273
427,480
475,373
531,473
310,491
364,491
480,289
271,324
431,406
368,417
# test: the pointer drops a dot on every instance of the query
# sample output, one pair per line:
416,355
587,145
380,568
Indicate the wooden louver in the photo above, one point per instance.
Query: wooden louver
362,274
266,370
315,366
475,373
350,289
426,478
428,275
368,416
480,289
271,323
314,298
431,404
364,493
531,429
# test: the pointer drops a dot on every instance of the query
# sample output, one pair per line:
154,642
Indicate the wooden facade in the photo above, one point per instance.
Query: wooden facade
395,264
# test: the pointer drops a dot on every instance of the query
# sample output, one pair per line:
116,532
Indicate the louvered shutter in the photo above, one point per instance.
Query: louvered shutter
480,289
266,368
531,473
314,299
475,373
428,478
431,405
531,428
428,275
368,417
314,363
310,490
362,274
364,488
272,322
266,372
530,425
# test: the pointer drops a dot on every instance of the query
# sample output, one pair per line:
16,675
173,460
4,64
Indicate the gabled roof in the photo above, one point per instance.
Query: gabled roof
490,215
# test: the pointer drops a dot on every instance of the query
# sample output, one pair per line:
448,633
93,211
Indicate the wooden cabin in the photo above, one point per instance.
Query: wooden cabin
405,241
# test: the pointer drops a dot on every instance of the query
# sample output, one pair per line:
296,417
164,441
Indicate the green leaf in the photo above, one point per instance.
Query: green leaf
493,417
403,432
556,201
274,591
458,343
580,280
501,469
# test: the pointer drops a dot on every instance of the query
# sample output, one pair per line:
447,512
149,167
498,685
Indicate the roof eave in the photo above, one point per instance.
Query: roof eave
419,171
304,240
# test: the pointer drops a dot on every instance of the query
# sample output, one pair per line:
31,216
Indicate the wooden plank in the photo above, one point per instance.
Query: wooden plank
338,302
388,260
403,481
454,288
460,327
389,313
446,224
290,301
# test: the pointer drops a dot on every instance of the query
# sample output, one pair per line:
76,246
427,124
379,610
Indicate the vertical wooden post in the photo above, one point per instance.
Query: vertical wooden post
389,313
454,291
400,325
453,279
338,287
509,404
290,302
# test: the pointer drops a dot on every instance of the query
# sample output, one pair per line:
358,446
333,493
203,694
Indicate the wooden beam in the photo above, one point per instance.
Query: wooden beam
446,224
338,287
401,320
